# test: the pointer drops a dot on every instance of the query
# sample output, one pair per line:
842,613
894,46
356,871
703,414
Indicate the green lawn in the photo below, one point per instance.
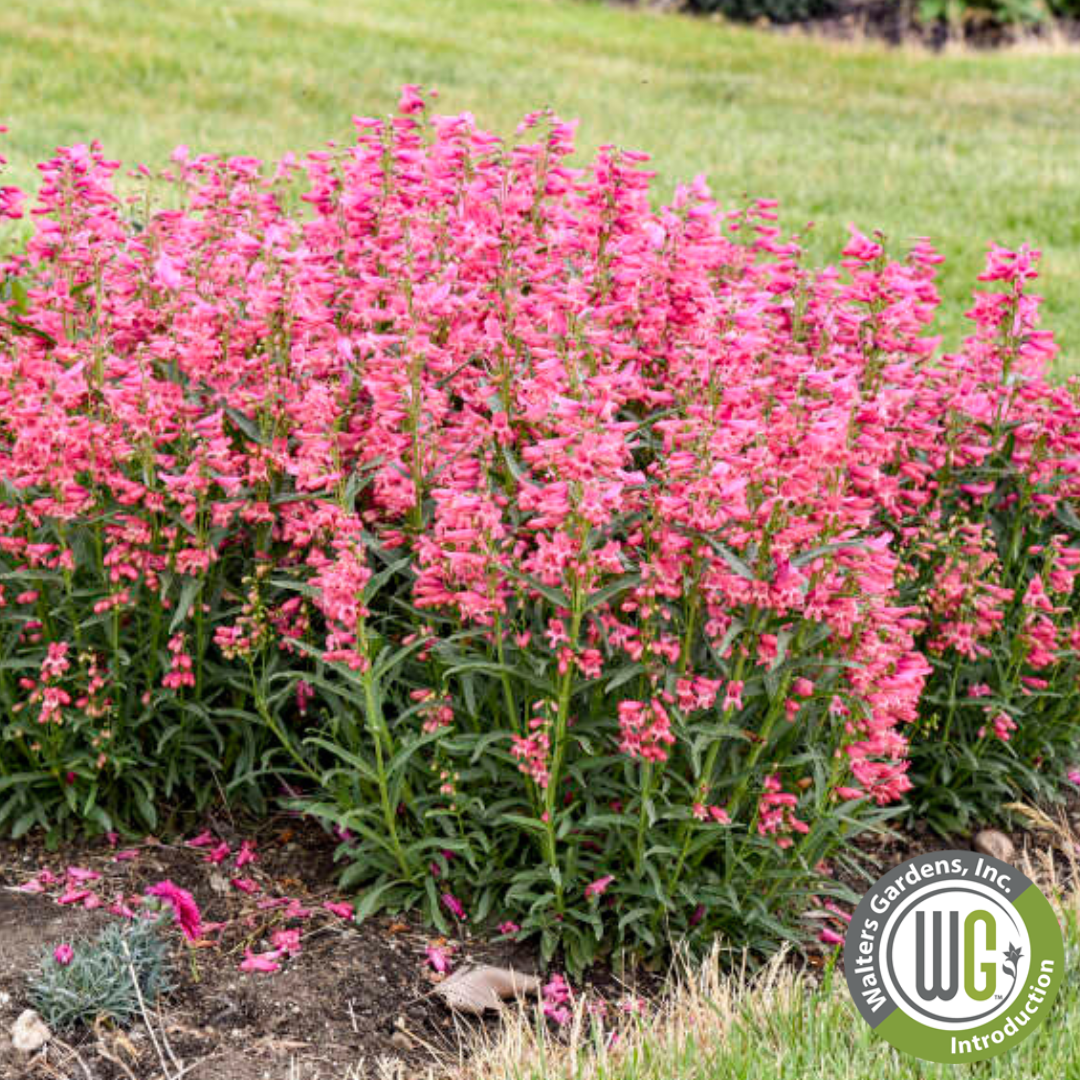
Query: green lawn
962,148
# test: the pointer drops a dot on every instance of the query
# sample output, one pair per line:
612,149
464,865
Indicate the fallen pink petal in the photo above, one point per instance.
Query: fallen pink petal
438,958
260,962
339,908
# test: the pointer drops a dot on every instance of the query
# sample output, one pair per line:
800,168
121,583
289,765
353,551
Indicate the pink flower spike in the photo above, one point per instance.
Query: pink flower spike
831,937
246,885
508,927
265,962
204,839
63,955
342,909
113,838
32,886
599,886
127,855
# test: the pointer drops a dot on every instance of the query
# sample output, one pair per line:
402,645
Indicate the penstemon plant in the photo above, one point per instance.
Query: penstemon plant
591,568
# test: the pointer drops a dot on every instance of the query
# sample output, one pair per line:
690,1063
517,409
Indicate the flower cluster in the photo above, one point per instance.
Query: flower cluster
606,551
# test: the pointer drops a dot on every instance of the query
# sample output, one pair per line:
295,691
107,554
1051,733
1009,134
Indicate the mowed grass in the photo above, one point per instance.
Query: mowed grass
964,149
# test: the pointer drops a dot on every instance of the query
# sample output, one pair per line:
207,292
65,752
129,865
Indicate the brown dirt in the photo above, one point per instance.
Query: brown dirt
356,1002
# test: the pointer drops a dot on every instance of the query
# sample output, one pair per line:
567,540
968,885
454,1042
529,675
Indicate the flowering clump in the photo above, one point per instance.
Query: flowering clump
581,563
103,977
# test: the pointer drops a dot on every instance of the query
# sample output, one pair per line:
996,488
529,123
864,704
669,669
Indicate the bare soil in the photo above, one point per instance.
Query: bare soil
357,997
356,1002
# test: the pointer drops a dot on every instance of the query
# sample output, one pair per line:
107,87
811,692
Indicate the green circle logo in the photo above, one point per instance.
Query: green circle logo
954,956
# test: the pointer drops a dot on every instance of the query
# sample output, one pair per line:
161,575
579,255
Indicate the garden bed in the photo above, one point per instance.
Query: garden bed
355,993
886,20
897,23
356,997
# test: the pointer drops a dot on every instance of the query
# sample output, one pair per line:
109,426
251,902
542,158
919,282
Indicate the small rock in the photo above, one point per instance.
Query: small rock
29,1032
401,1041
219,883
995,844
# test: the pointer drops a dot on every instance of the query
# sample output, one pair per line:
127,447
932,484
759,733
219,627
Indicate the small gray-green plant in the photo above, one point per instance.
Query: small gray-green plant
99,979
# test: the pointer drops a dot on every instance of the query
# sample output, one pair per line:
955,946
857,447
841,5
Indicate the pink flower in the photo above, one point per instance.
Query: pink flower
411,100
295,910
246,854
438,958
185,910
218,853
599,886
342,909
733,695
73,896
63,955
166,274
245,885
264,962
78,875
508,927
557,995
830,937
286,942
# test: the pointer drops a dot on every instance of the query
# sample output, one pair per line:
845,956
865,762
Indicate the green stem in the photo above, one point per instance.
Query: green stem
562,721
374,716
268,719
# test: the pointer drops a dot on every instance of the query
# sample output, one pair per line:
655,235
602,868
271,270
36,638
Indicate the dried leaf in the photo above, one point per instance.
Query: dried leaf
480,989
